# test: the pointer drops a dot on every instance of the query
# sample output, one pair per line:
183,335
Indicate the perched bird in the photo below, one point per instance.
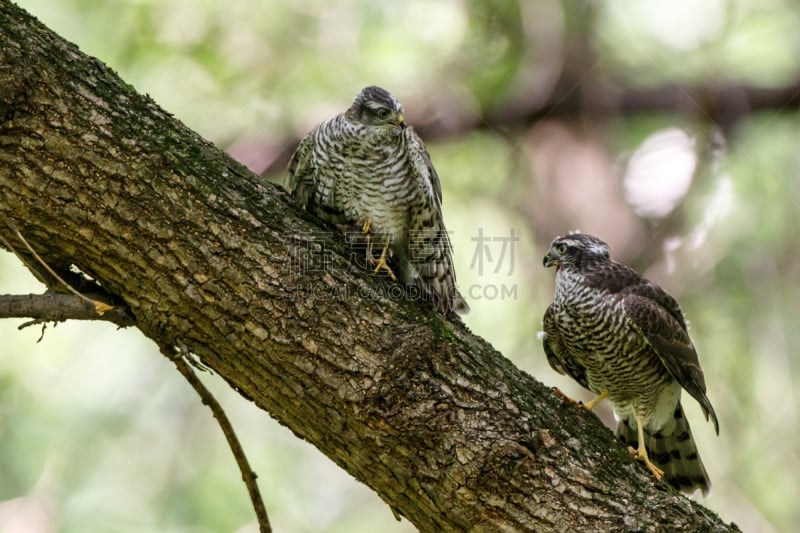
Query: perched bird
625,339
366,169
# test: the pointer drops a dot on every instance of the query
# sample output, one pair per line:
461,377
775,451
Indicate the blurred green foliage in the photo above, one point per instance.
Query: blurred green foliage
97,431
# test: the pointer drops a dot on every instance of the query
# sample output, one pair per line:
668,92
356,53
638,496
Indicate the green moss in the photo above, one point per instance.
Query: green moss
441,329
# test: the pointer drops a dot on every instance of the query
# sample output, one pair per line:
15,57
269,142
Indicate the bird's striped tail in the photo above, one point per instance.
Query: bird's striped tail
673,450
433,272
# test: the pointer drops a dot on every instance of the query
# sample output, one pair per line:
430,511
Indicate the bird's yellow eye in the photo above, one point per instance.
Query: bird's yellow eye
561,248
383,113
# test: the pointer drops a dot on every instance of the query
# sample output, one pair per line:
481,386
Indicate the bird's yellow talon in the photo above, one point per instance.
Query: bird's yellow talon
641,455
381,264
592,403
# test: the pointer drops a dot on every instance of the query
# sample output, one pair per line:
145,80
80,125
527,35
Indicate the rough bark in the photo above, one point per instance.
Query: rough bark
444,428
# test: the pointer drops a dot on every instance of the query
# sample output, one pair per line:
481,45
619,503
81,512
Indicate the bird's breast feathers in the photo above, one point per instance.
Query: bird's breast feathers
570,286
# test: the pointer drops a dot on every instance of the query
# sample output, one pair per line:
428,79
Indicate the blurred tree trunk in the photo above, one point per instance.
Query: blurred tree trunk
448,432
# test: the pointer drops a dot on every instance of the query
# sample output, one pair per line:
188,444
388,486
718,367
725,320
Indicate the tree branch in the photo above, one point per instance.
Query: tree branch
55,307
52,307
583,95
444,428
248,476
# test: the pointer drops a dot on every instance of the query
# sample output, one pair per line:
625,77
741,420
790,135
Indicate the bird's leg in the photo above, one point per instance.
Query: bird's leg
641,453
381,263
592,403
365,229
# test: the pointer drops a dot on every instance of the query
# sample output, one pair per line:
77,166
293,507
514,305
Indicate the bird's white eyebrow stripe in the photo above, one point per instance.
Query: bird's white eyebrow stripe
598,248
591,246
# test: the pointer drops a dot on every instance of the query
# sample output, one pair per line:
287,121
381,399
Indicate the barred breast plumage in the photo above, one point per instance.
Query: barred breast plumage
365,169
625,338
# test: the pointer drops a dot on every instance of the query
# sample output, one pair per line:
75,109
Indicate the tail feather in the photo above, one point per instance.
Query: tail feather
674,451
431,262
436,282
430,279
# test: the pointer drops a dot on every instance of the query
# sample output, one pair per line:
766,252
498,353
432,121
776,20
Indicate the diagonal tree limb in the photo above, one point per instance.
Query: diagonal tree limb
444,428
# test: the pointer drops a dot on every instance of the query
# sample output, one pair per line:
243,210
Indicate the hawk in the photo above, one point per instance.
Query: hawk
624,338
366,169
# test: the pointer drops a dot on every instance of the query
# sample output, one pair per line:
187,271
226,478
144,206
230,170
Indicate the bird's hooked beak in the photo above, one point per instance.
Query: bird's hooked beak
551,258
401,121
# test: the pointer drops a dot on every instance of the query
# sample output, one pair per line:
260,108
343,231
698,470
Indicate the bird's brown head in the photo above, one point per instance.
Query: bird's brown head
375,106
576,250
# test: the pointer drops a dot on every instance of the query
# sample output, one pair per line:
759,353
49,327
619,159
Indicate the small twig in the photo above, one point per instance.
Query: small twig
248,476
41,336
57,307
99,307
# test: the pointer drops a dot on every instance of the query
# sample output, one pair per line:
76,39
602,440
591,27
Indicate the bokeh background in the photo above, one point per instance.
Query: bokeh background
668,129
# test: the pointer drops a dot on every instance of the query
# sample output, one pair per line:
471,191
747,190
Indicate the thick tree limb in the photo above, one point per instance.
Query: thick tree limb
444,428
